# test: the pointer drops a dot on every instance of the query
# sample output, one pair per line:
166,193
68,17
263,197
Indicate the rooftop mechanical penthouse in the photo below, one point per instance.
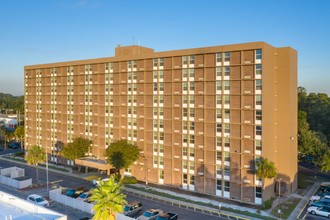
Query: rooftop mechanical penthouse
201,117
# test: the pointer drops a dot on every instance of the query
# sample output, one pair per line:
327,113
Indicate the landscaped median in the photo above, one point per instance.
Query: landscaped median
191,203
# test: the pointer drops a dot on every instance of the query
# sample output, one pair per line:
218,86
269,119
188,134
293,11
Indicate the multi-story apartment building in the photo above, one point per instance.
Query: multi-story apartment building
201,117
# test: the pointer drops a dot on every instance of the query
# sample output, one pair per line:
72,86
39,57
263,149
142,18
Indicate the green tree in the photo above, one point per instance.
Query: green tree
121,154
266,169
19,134
34,156
109,200
6,134
77,149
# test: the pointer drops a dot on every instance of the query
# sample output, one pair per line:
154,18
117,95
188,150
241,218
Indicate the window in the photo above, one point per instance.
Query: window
191,73
219,156
155,62
258,130
191,165
227,186
161,136
161,161
192,126
258,54
227,142
219,184
185,112
192,180
129,64
227,114
184,138
191,112
155,111
161,86
184,164
219,170
155,87
226,156
191,59
227,171
155,99
184,151
219,71
192,86
191,139
184,73
191,99
259,69
184,86
155,136
219,142
161,61
161,148
227,99
219,100
258,192
227,71
219,57
161,74
155,74
219,113
219,127
227,128
184,60
134,64
227,85
191,152
227,56
161,112
184,99
184,125
219,85
161,99
155,160
258,84
258,145
258,100
185,178
259,115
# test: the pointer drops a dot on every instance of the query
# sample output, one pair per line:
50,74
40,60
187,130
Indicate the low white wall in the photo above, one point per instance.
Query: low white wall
13,172
56,195
17,184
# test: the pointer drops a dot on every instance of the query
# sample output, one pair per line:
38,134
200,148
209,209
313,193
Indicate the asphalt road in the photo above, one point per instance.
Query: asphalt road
70,182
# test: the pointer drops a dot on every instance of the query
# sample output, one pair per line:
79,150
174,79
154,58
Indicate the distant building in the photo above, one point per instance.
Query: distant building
202,117
8,121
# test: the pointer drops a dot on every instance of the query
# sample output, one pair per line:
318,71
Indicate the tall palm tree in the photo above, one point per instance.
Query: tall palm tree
19,134
34,156
109,200
266,169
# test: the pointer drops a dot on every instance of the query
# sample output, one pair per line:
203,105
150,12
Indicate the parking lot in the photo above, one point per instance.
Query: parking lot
318,206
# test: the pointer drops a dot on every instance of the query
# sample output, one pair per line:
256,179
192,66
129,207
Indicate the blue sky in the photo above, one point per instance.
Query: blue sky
46,31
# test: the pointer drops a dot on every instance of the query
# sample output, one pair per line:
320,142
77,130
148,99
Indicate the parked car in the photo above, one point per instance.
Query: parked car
167,216
39,200
84,196
320,196
14,145
97,182
150,214
133,209
320,203
324,188
74,193
323,211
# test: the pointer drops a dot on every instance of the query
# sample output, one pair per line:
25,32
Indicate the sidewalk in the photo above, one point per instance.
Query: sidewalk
303,202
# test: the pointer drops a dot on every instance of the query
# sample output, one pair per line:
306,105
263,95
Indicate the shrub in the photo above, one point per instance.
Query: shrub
129,180
267,204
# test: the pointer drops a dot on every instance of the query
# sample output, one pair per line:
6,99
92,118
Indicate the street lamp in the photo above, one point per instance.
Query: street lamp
279,197
47,170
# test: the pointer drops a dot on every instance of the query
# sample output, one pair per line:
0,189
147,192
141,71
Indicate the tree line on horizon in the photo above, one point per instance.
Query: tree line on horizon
11,104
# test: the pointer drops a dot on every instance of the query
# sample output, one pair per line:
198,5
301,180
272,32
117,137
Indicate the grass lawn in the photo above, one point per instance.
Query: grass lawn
286,207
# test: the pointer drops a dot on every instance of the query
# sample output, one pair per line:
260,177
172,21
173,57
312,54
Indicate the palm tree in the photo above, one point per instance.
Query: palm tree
109,200
19,134
6,134
34,156
266,169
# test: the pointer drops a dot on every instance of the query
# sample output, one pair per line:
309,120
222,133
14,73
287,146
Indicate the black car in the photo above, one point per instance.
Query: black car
14,145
